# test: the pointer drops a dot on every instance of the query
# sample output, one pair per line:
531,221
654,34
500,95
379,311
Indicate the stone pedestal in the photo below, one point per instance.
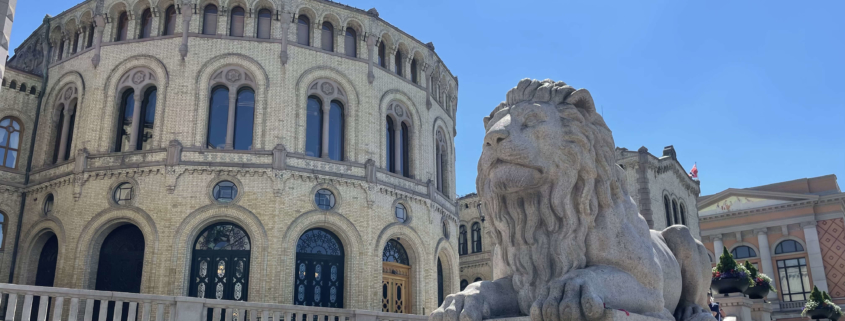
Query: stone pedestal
609,315
737,305
761,311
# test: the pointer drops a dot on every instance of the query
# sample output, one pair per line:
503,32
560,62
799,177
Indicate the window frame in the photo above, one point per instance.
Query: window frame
797,243
750,250
330,95
205,21
269,22
169,19
7,148
148,23
462,240
476,238
785,289
122,31
303,36
4,222
233,24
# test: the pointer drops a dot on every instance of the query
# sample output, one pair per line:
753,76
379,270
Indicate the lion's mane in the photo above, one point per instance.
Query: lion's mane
541,233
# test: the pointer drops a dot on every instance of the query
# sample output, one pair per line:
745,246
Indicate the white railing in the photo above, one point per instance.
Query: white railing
75,304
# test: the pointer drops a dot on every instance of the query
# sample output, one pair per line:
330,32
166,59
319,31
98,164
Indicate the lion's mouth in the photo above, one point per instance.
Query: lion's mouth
510,177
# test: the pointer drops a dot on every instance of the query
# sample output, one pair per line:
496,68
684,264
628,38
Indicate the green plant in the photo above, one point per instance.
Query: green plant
726,262
759,278
728,269
817,300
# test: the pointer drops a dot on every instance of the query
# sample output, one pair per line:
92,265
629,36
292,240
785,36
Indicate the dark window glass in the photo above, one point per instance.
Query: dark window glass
462,240
169,21
75,43
327,36
395,252
265,18
683,214
123,194
223,237
58,134
218,117
464,284
148,114
70,126
59,57
742,252
314,128
398,62
225,191
668,210
381,55
236,23
124,121
303,30
48,204
90,41
350,42
23,87
32,90
439,282
10,135
403,151
676,217
401,213
209,21
244,119
391,155
336,131
439,175
788,246
146,24
325,199
122,27
794,279
477,280
476,237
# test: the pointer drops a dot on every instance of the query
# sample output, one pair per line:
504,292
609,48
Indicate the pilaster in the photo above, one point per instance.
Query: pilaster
814,253
765,256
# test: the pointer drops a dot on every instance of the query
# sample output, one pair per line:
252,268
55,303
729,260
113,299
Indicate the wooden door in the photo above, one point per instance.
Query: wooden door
396,288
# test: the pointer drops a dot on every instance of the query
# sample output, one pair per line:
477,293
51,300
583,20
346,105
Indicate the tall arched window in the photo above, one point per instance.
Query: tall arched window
90,41
236,22
391,143
350,44
476,237
265,19
667,208
61,53
209,20
10,136
464,284
231,109
303,30
398,62
462,240
122,27
23,87
325,120
743,252
169,21
146,24
683,214
675,216
64,119
223,251
75,43
441,161
398,139
414,74
319,269
136,111
327,36
382,55
404,149
788,246
124,121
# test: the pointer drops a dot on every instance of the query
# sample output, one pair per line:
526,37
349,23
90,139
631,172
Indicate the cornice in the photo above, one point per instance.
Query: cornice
754,211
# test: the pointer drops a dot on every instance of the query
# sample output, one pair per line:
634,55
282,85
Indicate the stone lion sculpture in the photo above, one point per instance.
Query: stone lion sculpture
570,243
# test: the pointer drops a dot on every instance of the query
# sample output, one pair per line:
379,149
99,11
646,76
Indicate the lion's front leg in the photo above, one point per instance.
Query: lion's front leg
584,294
480,300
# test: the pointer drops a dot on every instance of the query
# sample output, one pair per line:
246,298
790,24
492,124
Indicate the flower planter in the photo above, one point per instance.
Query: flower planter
757,291
729,285
820,313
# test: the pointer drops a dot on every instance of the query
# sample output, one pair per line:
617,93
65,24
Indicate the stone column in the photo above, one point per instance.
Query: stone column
285,24
63,141
814,252
371,41
186,27
407,67
317,35
717,246
99,26
340,43
230,124
765,257
736,305
134,25
136,121
397,143
156,28
643,192
325,143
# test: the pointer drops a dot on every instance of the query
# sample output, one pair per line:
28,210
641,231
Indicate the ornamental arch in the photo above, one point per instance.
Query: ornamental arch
402,283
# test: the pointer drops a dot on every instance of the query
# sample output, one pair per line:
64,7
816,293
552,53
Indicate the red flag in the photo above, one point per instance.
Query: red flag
693,173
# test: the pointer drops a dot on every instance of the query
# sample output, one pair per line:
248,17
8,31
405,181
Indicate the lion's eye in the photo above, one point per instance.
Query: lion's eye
531,120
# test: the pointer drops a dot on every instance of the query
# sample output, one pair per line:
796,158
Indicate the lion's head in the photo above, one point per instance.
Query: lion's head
546,172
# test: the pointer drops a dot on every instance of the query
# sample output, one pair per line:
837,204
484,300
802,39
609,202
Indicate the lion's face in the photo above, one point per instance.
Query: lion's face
527,146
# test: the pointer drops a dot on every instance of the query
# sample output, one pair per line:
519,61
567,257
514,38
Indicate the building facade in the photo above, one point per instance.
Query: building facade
295,152
664,193
7,11
792,231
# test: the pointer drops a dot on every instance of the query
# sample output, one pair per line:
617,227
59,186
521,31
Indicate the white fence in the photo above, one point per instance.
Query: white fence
74,304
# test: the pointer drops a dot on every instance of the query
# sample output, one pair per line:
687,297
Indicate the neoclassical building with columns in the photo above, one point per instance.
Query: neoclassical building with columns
278,151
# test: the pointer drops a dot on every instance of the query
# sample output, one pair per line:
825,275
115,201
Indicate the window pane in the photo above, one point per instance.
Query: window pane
314,128
4,137
170,21
209,23
218,117
69,143
10,159
327,37
414,71
381,54
789,246
244,119
58,135
805,278
124,127
122,27
390,143
405,162
264,20
146,131
14,139
146,24
336,131
302,30
398,62
236,27
350,43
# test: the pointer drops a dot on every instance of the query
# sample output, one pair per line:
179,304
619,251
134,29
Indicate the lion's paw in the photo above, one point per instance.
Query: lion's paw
467,305
570,298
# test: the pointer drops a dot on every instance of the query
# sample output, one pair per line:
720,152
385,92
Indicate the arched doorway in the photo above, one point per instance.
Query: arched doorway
120,266
395,279
319,269
45,274
220,263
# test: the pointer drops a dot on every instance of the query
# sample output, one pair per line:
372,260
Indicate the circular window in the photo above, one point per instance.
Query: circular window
324,199
401,214
225,191
445,230
123,194
48,204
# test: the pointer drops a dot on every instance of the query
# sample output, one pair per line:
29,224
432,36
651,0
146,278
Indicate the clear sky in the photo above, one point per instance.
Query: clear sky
753,91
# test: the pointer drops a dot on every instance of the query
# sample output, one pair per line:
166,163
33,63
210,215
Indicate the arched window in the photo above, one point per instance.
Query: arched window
169,21
350,44
244,119
90,41
336,126
13,84
398,62
476,237
382,55
231,110
64,133
464,284
683,214
61,53
462,240
677,218
32,90
667,207
391,143
236,22
441,162
478,279
122,27
23,87
124,121
303,30
265,19
314,127
10,135
398,140
319,270
218,115
132,136
75,43
788,246
325,121
4,82
404,148
222,250
146,24
209,20
742,252
327,36
395,252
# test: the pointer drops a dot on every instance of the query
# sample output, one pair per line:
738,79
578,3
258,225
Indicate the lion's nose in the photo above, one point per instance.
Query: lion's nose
494,137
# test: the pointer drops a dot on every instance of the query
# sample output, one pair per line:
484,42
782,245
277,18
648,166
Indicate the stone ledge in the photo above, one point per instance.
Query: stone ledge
609,315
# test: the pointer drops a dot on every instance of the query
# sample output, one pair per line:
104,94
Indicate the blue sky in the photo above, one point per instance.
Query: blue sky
753,91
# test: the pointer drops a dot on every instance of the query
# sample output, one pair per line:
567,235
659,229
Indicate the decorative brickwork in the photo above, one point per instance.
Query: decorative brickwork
832,243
